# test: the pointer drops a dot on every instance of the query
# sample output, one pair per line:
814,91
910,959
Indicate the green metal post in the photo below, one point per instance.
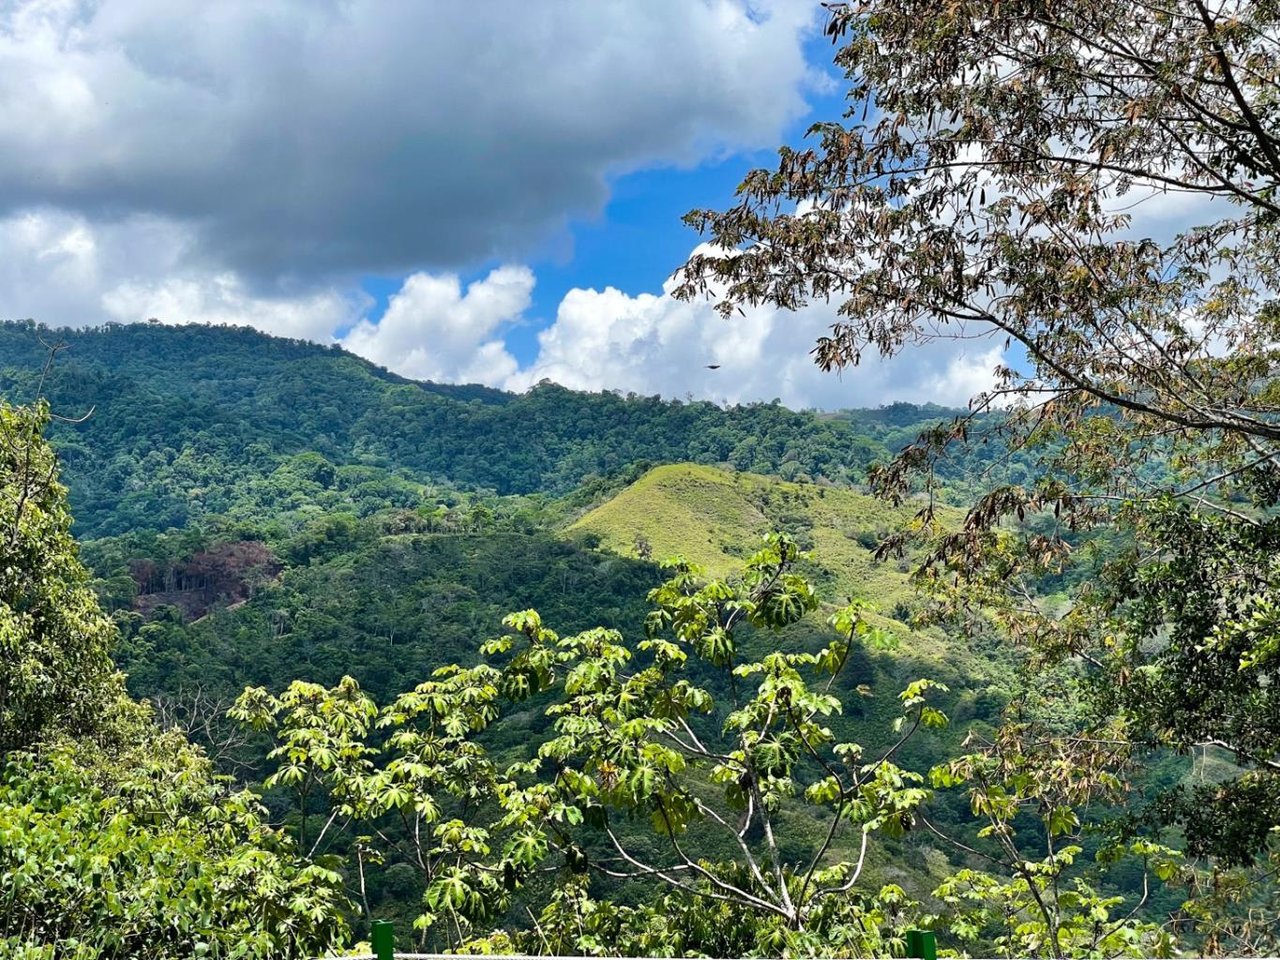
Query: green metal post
383,937
922,945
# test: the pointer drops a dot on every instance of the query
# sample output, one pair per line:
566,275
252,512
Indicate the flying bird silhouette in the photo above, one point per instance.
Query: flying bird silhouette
713,366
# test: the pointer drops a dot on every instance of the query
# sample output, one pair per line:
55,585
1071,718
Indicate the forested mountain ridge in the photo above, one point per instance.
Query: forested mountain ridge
392,597
186,420
264,511
260,511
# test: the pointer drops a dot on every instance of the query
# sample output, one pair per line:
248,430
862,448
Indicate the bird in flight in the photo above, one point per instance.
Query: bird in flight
713,366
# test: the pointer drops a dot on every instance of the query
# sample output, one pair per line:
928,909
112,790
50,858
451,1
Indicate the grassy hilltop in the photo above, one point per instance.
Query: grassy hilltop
716,517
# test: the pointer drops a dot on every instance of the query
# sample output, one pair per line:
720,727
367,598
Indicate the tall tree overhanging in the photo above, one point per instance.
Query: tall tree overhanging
56,672
118,839
986,180
999,175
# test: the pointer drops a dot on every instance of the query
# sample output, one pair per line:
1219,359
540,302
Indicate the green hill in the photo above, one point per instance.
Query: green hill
391,596
716,518
327,516
186,420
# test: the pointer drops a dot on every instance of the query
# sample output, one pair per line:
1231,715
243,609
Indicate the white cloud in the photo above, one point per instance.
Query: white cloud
222,298
328,138
655,344
241,162
432,330
62,269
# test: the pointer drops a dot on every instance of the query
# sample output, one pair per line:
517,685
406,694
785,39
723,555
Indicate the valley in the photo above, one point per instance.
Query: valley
330,560
741,479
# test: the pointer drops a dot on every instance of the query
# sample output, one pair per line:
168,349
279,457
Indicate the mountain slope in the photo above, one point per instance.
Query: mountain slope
716,518
388,600
395,595
185,417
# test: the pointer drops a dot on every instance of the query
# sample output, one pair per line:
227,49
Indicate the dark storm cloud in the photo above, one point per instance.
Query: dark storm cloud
322,139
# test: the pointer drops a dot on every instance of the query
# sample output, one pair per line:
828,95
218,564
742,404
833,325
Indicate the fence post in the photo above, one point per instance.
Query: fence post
922,945
383,938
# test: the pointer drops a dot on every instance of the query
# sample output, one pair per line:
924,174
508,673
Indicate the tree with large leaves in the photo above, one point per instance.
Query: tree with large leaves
117,839
628,745
688,796
677,763
1091,187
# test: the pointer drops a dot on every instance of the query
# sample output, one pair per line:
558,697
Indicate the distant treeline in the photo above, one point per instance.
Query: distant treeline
194,421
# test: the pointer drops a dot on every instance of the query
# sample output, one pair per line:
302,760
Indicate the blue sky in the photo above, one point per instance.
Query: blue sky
452,201
633,245
640,238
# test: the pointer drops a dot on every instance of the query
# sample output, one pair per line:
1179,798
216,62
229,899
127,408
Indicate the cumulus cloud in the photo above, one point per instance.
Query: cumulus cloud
63,269
223,298
241,162
607,339
305,139
433,330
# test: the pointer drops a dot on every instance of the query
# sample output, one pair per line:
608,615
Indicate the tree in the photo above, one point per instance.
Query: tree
720,788
56,675
426,792
143,851
646,775
117,839
627,746
989,180
1029,898
992,192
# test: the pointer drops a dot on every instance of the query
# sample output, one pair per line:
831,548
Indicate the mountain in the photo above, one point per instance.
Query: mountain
392,596
258,510
389,596
716,518
188,421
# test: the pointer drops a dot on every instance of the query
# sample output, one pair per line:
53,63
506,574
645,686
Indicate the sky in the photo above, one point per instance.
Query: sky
483,193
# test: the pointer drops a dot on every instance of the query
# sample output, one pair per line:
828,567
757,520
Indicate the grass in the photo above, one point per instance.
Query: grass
717,518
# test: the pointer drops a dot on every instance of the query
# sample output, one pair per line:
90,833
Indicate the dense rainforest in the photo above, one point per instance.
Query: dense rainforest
367,567
196,421
590,674
353,571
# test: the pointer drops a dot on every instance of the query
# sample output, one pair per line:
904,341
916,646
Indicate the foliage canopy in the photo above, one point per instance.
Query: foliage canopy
991,179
